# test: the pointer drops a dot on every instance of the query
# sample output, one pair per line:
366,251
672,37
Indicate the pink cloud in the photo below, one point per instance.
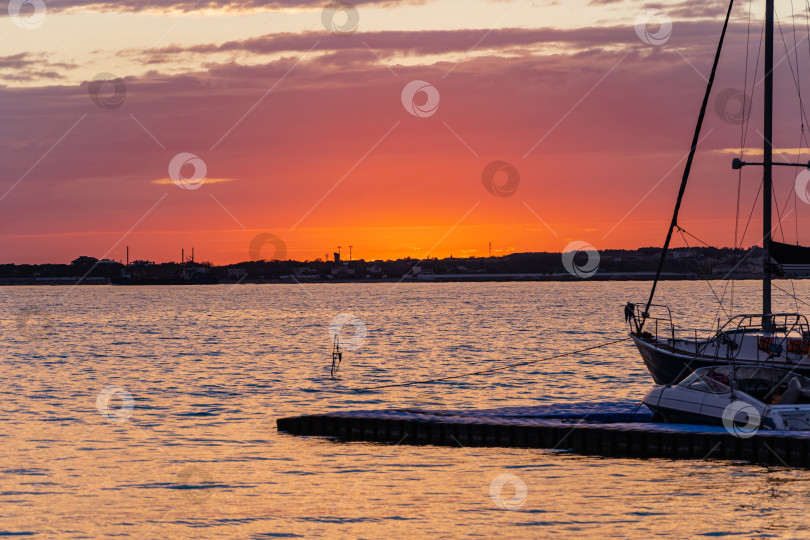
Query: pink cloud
604,145
192,5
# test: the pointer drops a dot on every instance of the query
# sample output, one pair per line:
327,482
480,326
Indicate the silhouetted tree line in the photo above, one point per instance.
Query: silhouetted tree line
698,262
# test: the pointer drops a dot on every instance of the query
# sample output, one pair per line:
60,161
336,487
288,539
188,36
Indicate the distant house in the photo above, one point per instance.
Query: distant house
423,270
84,261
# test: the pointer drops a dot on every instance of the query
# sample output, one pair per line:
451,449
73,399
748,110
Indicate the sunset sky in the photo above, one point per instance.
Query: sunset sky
304,132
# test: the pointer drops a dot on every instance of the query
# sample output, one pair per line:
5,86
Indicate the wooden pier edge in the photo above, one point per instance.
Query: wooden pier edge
588,439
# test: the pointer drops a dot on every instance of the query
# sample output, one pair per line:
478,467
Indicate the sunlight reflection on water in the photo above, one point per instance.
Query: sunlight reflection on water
210,368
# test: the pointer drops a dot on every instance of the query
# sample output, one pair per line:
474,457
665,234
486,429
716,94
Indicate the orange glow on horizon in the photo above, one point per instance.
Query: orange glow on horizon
396,138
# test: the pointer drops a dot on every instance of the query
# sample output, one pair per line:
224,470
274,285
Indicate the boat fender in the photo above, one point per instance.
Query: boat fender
798,346
766,344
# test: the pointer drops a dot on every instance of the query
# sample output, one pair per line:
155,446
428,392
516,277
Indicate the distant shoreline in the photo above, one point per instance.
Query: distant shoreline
609,265
437,279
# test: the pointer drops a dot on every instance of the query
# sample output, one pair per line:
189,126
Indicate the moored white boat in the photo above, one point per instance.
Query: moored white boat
745,397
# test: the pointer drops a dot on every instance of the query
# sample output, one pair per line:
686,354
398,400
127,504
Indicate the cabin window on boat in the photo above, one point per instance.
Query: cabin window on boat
712,381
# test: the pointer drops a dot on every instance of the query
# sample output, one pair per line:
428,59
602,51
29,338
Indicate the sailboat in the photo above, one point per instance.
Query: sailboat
777,340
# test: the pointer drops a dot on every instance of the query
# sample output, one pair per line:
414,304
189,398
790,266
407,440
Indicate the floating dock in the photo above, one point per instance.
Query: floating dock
607,429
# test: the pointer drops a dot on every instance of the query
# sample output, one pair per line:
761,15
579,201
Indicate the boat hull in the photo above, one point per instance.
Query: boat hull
667,366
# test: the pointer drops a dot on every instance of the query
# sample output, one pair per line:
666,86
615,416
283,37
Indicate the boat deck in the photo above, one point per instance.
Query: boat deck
600,428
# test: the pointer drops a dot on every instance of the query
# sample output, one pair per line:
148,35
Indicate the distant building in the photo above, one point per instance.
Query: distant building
736,271
423,270
193,271
677,254
236,273
343,271
84,260
306,273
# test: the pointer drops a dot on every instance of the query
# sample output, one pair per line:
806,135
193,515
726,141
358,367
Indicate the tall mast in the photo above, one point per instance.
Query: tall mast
767,180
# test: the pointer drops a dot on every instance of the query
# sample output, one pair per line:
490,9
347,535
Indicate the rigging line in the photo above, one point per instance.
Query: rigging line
781,214
792,73
796,53
747,125
801,134
688,167
745,86
751,215
700,270
719,300
725,289
731,307
717,313
746,119
778,213
791,195
723,296
796,216
684,231
492,370
744,123
807,26
793,191
803,141
795,297
795,199
753,84
743,129
807,21
796,213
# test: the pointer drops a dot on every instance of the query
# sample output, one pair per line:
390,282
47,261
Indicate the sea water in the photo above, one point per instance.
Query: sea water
149,412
